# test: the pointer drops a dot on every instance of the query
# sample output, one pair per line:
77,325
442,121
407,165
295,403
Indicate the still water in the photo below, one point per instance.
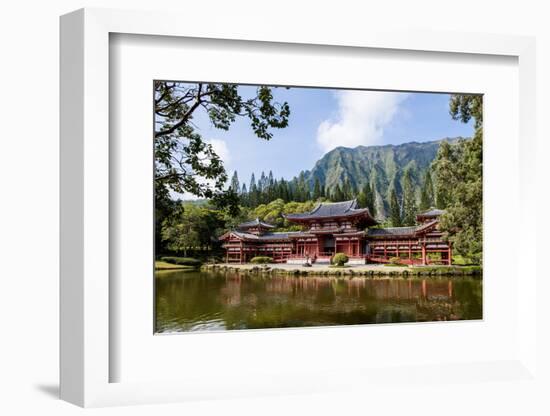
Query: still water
214,301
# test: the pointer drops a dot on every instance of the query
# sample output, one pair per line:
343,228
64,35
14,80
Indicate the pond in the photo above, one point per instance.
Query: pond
217,301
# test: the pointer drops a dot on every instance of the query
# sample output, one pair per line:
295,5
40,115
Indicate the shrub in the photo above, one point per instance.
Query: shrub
472,270
213,260
339,259
395,260
462,261
261,260
182,261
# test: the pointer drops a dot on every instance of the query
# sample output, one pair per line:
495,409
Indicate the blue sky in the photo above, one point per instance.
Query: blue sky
322,119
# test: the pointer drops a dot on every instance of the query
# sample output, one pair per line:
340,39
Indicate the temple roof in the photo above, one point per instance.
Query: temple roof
400,231
255,223
277,236
332,209
286,236
432,212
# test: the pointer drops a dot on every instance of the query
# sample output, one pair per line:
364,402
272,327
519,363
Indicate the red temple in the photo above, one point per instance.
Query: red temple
340,227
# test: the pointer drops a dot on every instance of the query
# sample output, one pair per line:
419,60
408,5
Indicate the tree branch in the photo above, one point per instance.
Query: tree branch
185,116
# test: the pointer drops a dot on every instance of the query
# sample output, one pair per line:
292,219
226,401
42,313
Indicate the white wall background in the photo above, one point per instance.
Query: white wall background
29,193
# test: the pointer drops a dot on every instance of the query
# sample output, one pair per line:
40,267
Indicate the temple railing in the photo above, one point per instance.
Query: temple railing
323,255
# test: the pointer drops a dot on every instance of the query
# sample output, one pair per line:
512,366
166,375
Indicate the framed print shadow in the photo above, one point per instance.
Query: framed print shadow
285,206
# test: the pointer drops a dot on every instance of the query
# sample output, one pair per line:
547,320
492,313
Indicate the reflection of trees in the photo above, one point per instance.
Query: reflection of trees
182,299
470,298
258,301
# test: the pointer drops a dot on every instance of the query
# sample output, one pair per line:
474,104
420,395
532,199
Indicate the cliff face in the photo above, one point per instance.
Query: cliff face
381,166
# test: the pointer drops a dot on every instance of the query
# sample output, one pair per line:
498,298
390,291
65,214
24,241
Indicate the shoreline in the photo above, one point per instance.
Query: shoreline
358,270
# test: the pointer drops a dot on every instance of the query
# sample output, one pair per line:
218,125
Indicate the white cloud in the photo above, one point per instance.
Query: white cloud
221,149
361,119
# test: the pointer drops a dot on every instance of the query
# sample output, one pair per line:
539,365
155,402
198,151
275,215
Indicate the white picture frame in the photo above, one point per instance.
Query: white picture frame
86,356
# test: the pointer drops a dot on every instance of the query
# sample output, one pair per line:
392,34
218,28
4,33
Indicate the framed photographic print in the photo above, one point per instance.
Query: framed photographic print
229,225
352,198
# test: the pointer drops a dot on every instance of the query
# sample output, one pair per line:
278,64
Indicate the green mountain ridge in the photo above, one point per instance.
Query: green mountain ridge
382,166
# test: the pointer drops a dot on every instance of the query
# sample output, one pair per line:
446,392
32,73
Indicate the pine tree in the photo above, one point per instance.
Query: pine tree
283,190
370,196
348,190
365,199
302,188
253,192
427,199
338,195
275,188
252,182
243,195
235,183
317,189
370,199
445,164
262,182
270,188
289,191
409,200
395,210
362,199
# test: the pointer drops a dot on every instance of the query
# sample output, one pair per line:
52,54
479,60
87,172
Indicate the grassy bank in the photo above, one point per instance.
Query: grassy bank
177,263
162,265
365,271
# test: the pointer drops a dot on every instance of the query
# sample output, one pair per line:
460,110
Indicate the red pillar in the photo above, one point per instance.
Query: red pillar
423,254
450,255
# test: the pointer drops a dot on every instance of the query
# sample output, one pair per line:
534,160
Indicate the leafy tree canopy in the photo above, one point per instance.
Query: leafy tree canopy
466,107
459,181
274,212
191,227
184,161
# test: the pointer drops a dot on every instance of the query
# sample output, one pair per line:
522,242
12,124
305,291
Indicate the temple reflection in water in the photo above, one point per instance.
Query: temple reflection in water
226,301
